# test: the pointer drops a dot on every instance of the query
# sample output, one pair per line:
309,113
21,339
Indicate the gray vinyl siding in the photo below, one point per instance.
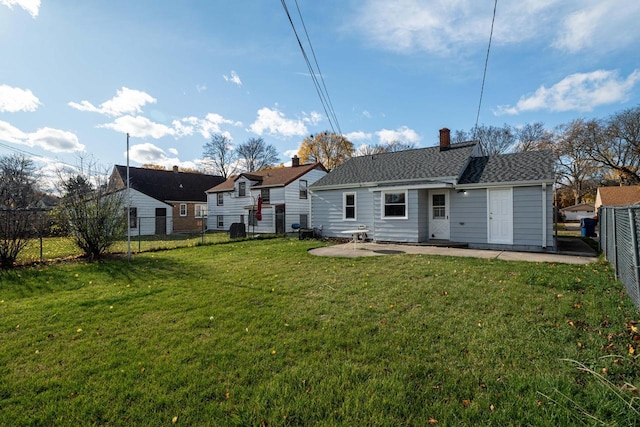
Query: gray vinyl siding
327,208
527,214
397,230
468,216
423,215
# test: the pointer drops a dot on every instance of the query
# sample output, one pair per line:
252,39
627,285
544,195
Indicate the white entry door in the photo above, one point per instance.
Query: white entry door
500,216
439,227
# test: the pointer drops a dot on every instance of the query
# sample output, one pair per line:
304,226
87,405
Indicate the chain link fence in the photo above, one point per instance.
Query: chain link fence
619,228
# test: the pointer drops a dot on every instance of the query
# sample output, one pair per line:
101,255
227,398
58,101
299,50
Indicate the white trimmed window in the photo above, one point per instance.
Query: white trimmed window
220,221
242,189
349,206
183,209
303,188
220,199
201,210
394,204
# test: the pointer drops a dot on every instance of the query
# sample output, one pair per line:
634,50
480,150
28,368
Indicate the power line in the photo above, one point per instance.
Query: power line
323,95
486,62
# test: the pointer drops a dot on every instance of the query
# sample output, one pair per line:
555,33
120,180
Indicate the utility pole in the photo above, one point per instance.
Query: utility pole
128,206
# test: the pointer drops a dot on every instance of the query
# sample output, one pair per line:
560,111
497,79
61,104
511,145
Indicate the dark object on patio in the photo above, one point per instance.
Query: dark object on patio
588,227
237,230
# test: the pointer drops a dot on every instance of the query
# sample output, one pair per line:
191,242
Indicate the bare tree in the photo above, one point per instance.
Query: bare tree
95,216
219,156
532,136
255,154
460,136
493,139
615,144
389,147
18,203
328,148
576,168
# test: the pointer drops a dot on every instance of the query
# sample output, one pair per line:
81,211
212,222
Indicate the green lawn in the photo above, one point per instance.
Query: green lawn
262,333
64,247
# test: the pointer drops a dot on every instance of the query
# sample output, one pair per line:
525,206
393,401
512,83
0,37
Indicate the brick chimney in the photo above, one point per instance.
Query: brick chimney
295,161
175,169
445,139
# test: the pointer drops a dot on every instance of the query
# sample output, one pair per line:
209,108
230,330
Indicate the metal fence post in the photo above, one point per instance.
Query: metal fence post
634,242
615,243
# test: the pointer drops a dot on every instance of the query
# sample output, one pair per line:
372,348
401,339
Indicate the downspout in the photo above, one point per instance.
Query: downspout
544,215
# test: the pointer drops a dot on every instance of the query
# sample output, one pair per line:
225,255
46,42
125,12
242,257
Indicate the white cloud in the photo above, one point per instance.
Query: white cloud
366,114
139,127
10,133
147,152
599,26
358,136
31,6
173,151
312,118
402,134
126,101
211,124
54,140
13,99
201,88
275,123
447,27
233,78
577,92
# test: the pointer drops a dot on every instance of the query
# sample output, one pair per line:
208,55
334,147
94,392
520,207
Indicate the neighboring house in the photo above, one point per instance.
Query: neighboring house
164,202
617,196
285,198
449,193
578,212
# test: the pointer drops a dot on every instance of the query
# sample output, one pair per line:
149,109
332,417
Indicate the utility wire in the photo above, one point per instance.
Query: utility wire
313,52
486,62
323,98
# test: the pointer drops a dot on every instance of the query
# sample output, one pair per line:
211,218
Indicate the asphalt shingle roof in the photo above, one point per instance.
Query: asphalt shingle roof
514,167
169,185
409,165
269,177
619,196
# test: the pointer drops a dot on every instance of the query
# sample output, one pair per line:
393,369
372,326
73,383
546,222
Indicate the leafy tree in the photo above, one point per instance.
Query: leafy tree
96,217
328,148
219,156
18,206
255,154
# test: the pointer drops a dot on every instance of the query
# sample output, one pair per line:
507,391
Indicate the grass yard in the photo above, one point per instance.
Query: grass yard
259,333
64,247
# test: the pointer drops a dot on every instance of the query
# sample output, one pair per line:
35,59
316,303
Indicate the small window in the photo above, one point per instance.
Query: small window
220,221
183,209
303,188
438,204
201,210
242,189
304,221
266,195
395,205
220,199
133,217
349,202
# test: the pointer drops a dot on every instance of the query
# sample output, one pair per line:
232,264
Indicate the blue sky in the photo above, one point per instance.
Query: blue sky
76,76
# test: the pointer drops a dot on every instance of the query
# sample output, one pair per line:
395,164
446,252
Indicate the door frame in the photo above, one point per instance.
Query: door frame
507,216
446,222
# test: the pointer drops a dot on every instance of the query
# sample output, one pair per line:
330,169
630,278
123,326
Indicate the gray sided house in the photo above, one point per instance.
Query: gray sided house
450,193
164,202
